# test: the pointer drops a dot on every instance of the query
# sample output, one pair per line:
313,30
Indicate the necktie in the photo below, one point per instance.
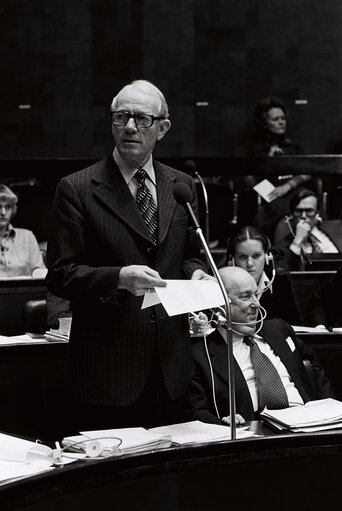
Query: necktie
271,391
146,204
314,243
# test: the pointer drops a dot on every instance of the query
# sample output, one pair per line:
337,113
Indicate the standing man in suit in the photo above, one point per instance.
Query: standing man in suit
117,233
295,370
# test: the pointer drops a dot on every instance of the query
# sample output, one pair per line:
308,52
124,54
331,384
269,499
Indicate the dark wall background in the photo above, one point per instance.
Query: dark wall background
63,60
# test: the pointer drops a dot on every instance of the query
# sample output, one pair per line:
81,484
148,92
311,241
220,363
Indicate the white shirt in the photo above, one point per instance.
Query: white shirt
242,355
128,175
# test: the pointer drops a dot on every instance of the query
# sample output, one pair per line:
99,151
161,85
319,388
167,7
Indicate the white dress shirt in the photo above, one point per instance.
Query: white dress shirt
128,175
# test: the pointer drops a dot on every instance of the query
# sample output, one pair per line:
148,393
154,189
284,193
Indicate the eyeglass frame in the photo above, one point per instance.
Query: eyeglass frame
133,116
298,212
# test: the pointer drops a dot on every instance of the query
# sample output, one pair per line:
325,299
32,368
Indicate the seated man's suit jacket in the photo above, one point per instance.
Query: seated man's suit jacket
96,230
200,403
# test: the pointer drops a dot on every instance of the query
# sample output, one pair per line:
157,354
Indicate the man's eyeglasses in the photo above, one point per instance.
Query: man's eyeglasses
310,212
121,118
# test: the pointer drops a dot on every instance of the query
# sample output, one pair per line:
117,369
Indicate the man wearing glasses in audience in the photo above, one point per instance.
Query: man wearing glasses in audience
117,233
307,234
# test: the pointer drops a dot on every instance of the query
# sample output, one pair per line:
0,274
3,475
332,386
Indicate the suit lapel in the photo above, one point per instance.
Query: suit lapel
166,202
113,192
218,354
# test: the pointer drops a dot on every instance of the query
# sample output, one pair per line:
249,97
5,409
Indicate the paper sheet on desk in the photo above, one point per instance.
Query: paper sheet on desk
181,296
264,188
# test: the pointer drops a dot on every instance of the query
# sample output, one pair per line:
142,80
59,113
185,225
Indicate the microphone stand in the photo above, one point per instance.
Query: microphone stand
229,336
205,198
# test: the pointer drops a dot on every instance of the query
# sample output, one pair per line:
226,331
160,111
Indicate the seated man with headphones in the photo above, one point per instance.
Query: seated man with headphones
249,248
307,234
270,362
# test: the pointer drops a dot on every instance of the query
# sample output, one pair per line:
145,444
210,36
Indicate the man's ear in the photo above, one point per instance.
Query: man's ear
164,126
319,219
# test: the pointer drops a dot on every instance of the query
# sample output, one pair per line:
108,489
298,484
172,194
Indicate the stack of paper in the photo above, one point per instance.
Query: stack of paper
317,415
197,432
136,440
119,441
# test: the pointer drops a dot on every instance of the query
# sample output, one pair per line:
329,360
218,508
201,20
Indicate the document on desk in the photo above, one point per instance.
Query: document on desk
182,296
319,414
197,432
22,458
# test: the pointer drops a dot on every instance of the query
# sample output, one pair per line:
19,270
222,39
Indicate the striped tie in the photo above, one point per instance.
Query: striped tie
146,204
271,391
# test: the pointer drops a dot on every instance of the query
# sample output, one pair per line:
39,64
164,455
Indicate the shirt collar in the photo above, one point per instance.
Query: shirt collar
129,171
263,282
10,233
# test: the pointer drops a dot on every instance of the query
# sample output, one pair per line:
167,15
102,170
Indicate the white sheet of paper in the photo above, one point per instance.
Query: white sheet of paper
264,188
182,296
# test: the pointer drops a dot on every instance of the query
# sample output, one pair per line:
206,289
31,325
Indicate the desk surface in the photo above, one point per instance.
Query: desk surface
210,476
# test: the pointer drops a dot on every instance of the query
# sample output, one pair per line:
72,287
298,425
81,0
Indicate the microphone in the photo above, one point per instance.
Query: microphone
182,195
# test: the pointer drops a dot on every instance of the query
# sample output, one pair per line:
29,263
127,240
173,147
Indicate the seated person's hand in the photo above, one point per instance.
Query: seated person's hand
39,273
279,191
238,419
275,151
198,324
321,327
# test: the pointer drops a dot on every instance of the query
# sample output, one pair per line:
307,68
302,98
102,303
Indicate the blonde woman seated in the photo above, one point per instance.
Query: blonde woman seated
20,255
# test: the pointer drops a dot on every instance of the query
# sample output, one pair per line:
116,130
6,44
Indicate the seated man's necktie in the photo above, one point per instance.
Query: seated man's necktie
146,204
314,243
271,391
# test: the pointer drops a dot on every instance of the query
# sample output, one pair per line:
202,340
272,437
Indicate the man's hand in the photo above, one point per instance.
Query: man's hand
139,279
201,275
302,230
198,324
279,191
238,419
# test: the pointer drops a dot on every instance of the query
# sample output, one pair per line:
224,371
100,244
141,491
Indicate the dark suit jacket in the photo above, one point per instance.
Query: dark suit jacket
200,404
96,230
286,259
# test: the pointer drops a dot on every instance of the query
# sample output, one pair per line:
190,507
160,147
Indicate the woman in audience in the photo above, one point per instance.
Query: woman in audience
306,233
271,117
20,255
250,249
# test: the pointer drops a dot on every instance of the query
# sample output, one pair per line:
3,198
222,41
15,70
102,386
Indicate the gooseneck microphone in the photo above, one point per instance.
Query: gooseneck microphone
183,196
192,169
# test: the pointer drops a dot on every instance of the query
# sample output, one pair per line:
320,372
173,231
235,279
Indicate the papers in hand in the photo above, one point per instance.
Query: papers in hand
182,296
264,188
313,416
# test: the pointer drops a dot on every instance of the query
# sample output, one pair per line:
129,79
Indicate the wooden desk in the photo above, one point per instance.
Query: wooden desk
277,472
13,295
